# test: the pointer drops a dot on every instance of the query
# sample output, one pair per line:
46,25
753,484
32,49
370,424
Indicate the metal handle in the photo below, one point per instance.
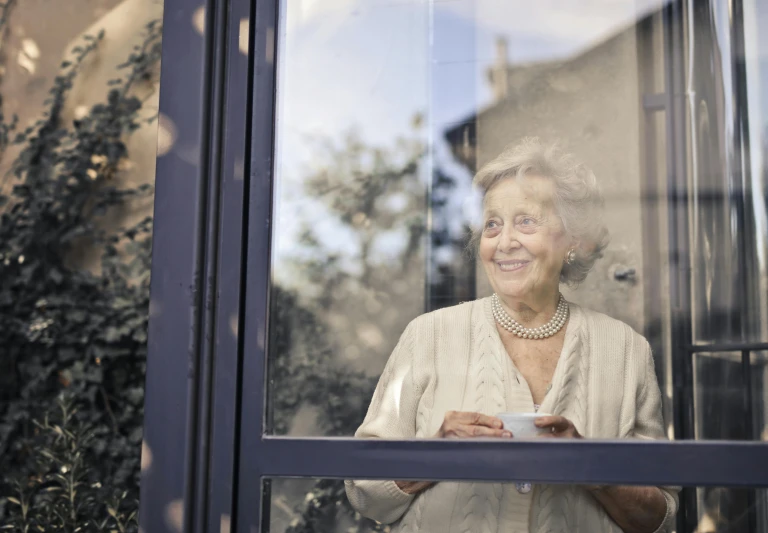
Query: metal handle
624,274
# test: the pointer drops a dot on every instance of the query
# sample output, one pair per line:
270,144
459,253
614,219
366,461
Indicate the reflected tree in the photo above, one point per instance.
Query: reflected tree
343,297
304,372
451,263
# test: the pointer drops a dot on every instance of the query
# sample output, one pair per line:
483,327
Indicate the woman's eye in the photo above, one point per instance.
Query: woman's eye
527,221
491,224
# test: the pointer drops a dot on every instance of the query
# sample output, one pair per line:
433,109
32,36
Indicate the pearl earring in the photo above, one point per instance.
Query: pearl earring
570,257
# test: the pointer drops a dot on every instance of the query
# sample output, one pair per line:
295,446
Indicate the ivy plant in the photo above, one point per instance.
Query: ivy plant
64,328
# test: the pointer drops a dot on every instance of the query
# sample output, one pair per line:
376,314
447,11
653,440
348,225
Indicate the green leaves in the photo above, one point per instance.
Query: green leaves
67,330
58,490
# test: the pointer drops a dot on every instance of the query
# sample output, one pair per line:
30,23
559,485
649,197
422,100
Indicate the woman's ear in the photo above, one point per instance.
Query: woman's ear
573,251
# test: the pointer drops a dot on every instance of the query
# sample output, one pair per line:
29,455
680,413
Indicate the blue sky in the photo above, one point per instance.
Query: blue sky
370,65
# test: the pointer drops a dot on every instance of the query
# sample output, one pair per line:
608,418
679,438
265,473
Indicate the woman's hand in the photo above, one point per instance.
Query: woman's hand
461,424
634,509
458,424
413,487
559,426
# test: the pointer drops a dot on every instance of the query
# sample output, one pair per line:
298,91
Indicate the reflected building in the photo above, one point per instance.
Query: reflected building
588,104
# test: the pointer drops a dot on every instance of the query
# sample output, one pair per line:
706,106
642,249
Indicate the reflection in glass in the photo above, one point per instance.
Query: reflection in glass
728,391
351,166
372,196
387,109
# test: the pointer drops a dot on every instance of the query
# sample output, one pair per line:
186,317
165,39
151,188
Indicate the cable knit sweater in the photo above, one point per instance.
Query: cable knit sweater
453,359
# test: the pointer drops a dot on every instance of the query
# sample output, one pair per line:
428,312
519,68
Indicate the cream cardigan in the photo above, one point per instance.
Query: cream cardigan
453,359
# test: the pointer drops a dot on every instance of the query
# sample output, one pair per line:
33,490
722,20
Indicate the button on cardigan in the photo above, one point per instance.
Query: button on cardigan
453,359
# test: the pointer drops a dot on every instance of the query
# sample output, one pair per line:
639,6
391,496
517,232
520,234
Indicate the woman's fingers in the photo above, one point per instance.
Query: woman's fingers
470,431
413,487
475,419
463,424
559,425
479,419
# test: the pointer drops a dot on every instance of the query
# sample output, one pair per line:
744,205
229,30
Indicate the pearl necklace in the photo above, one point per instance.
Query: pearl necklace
542,332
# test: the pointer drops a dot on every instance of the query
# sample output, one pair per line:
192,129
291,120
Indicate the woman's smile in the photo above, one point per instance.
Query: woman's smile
512,265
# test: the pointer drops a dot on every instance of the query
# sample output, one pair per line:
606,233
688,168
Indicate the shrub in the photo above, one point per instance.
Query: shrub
63,328
58,488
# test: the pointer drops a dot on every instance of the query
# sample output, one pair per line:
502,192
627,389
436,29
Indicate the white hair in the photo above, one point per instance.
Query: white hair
577,198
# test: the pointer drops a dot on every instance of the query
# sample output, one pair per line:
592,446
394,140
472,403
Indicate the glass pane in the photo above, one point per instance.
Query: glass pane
728,172
755,61
388,110
322,505
348,270
726,406
78,143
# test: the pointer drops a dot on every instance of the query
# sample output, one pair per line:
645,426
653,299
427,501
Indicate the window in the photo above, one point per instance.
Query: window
368,122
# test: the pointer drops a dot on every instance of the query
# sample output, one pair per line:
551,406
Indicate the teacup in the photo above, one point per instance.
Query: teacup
522,424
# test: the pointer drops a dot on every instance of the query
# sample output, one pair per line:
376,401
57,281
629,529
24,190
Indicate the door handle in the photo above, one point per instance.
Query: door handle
624,274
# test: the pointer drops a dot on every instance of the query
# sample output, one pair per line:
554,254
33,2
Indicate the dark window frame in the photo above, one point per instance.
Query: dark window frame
207,396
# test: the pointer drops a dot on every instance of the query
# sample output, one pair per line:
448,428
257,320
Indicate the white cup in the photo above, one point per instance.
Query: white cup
521,424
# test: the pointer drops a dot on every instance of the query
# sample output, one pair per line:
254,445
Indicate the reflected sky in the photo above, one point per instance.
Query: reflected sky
370,66
366,63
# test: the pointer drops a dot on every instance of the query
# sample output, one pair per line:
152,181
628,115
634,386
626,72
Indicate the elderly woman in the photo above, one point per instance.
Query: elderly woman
523,349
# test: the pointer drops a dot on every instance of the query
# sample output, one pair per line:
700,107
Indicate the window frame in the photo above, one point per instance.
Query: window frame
208,342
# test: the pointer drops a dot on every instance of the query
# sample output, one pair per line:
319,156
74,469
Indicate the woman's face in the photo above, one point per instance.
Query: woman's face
523,243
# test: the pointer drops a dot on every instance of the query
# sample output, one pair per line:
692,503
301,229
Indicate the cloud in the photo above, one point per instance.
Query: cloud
568,25
367,63
344,66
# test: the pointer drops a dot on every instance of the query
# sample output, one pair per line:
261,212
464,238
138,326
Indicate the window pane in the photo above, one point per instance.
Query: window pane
386,112
727,402
315,505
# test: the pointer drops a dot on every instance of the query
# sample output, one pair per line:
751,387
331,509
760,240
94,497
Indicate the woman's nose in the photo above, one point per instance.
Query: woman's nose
508,240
